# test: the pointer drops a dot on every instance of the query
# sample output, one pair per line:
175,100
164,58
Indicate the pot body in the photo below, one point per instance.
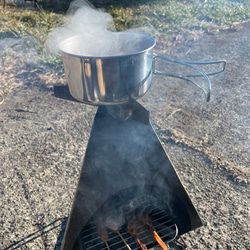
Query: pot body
109,80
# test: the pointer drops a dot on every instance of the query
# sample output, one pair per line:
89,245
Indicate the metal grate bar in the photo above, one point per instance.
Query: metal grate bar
161,222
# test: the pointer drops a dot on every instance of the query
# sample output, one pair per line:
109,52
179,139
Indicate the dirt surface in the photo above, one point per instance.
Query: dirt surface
43,140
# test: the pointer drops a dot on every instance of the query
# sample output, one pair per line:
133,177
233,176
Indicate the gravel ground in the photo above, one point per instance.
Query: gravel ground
43,140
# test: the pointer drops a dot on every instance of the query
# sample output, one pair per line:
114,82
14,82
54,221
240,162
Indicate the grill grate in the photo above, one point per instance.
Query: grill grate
162,224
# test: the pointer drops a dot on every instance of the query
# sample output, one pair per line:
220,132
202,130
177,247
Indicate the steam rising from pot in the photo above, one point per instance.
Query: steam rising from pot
113,44
97,36
82,19
94,25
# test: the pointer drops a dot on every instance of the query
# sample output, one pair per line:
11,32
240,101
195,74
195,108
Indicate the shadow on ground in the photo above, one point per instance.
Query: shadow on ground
45,229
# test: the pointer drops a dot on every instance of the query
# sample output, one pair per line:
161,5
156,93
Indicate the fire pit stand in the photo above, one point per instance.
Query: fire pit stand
126,168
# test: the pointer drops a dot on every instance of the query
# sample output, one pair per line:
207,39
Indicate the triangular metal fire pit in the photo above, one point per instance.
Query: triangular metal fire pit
124,155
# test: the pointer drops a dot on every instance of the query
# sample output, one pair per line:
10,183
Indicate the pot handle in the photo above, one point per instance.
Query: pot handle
191,65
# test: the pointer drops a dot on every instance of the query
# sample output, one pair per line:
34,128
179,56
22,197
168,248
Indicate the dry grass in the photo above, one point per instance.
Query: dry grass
15,74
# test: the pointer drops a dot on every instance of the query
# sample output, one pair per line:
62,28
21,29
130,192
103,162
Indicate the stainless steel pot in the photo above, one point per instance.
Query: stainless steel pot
119,74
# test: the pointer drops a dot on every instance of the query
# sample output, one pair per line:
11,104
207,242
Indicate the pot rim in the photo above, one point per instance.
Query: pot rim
108,57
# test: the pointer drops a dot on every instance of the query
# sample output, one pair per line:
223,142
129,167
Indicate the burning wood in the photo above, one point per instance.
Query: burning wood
143,246
157,237
146,219
111,216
